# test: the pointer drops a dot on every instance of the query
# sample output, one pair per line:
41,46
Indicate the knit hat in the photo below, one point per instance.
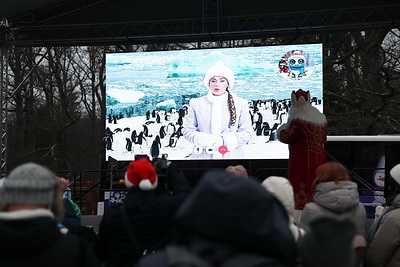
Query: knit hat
219,69
395,173
29,183
239,212
281,188
328,242
141,173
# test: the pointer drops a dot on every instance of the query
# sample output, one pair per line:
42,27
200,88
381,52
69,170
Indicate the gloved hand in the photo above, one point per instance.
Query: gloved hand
206,139
283,127
230,140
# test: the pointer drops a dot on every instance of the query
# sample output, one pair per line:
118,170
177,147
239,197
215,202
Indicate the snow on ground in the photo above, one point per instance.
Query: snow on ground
258,148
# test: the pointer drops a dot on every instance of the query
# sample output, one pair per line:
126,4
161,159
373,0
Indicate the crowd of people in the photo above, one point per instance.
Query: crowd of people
229,218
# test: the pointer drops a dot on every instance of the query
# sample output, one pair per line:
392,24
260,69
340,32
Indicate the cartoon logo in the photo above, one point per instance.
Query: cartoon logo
296,65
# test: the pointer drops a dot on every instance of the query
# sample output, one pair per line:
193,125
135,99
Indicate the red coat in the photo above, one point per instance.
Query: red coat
306,152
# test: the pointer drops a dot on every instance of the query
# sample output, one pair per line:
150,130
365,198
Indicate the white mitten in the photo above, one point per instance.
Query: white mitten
205,139
230,140
283,126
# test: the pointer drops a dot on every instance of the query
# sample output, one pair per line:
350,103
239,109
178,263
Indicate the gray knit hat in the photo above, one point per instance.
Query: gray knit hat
29,183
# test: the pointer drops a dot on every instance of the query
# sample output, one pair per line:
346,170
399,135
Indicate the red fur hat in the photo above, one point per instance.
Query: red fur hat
141,173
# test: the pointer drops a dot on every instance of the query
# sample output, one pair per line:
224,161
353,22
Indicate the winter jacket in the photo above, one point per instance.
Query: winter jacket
32,238
226,217
151,219
335,198
281,188
384,249
203,114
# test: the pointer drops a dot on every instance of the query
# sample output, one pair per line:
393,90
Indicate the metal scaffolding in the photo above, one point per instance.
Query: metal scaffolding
3,94
212,26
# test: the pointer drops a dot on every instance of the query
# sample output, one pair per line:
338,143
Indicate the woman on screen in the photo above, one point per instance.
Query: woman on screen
219,123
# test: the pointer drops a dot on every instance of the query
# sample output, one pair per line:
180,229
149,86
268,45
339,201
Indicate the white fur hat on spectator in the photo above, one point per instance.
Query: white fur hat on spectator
282,189
395,173
219,69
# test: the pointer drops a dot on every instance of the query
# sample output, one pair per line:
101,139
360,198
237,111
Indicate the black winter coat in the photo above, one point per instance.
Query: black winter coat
37,241
151,217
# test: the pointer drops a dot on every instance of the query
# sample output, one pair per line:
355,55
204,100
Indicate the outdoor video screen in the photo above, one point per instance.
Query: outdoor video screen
163,102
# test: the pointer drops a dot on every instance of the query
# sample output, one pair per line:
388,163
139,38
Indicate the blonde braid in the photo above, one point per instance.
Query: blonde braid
232,109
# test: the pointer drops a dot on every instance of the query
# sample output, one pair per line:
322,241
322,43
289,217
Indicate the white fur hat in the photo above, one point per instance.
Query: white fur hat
219,69
395,173
282,189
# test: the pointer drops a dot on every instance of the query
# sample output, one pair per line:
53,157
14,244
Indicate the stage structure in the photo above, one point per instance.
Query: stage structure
105,22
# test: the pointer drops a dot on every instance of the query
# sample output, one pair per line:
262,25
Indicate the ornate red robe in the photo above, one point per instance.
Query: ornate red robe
306,152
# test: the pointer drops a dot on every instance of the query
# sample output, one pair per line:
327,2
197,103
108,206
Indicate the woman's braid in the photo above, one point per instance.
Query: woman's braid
232,109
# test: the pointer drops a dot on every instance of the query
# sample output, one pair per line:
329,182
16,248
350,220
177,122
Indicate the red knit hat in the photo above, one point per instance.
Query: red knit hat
141,173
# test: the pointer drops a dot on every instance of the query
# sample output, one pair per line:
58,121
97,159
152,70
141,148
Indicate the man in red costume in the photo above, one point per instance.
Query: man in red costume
305,132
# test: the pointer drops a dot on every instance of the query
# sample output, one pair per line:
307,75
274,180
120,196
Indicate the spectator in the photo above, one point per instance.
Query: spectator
228,220
335,194
328,242
237,170
281,188
144,221
384,234
72,215
29,235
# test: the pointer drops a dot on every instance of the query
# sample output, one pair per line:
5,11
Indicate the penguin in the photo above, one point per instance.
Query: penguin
154,149
108,137
265,129
158,140
109,133
162,132
251,117
274,127
145,130
148,115
127,129
280,117
272,135
158,118
116,130
260,117
128,145
258,128
180,120
274,106
173,139
134,136
182,112
140,138
169,126
109,143
178,132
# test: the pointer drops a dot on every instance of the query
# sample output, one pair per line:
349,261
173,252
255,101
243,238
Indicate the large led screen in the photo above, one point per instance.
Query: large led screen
149,108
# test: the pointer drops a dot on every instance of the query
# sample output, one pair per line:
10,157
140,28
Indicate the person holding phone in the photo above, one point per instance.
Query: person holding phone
219,123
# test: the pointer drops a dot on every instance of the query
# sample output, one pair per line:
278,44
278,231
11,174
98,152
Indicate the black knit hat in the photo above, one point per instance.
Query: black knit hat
328,242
